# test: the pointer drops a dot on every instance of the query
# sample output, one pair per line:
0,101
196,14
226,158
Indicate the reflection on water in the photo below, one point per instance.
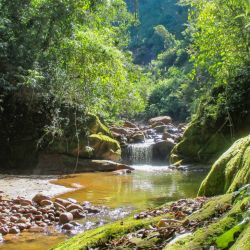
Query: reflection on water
147,186
139,189
32,241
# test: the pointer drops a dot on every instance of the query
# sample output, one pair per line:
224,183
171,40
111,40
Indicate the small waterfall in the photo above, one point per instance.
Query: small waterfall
140,153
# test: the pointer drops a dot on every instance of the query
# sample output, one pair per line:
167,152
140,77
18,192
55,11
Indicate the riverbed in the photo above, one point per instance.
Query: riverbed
147,186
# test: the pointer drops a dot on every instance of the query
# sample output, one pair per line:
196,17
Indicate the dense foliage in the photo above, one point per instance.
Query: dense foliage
208,63
146,43
72,51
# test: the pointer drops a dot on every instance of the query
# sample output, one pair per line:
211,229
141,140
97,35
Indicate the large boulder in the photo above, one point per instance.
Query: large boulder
63,164
230,171
105,147
128,124
74,145
200,143
162,149
161,120
138,137
222,117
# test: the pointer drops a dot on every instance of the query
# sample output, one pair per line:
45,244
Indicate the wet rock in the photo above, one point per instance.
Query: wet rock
63,202
33,210
36,229
73,207
4,230
59,206
77,214
65,218
92,210
14,219
75,224
160,129
128,124
41,224
22,220
38,217
39,197
162,149
166,135
46,203
21,226
72,200
137,137
67,226
14,230
163,119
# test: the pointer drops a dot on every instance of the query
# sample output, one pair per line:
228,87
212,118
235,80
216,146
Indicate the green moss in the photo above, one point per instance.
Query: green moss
96,126
199,143
216,232
243,242
105,147
228,237
211,207
104,138
103,234
207,236
230,171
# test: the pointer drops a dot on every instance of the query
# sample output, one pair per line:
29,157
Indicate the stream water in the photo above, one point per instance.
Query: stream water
147,186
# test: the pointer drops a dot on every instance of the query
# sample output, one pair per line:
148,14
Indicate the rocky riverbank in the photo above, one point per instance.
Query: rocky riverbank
36,215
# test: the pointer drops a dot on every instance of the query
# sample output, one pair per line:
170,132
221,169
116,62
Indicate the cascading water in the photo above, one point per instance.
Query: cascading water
140,153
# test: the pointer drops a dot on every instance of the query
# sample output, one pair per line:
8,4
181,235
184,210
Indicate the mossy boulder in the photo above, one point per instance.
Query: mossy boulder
230,231
95,126
199,144
71,144
99,236
230,171
222,117
105,147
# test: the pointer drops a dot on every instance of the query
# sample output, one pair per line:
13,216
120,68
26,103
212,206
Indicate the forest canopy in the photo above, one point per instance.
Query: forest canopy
73,51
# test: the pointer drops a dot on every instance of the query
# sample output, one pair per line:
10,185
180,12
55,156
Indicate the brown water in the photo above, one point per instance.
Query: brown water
141,189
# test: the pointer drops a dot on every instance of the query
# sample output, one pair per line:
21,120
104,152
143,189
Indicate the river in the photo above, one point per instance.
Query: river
147,186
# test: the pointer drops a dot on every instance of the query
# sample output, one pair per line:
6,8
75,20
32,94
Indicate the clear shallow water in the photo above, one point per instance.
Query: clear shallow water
147,186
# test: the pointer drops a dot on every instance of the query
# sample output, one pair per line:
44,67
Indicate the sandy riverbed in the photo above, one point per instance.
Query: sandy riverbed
27,186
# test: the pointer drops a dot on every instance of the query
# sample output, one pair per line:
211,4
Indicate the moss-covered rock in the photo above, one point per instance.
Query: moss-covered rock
105,147
222,233
199,144
230,231
230,171
95,126
101,235
222,117
71,144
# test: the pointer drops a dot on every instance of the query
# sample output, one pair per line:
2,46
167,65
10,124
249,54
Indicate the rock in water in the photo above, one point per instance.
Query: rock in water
65,218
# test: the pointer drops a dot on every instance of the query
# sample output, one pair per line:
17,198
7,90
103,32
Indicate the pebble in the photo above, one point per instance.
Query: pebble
73,207
65,218
37,214
67,226
40,197
14,230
